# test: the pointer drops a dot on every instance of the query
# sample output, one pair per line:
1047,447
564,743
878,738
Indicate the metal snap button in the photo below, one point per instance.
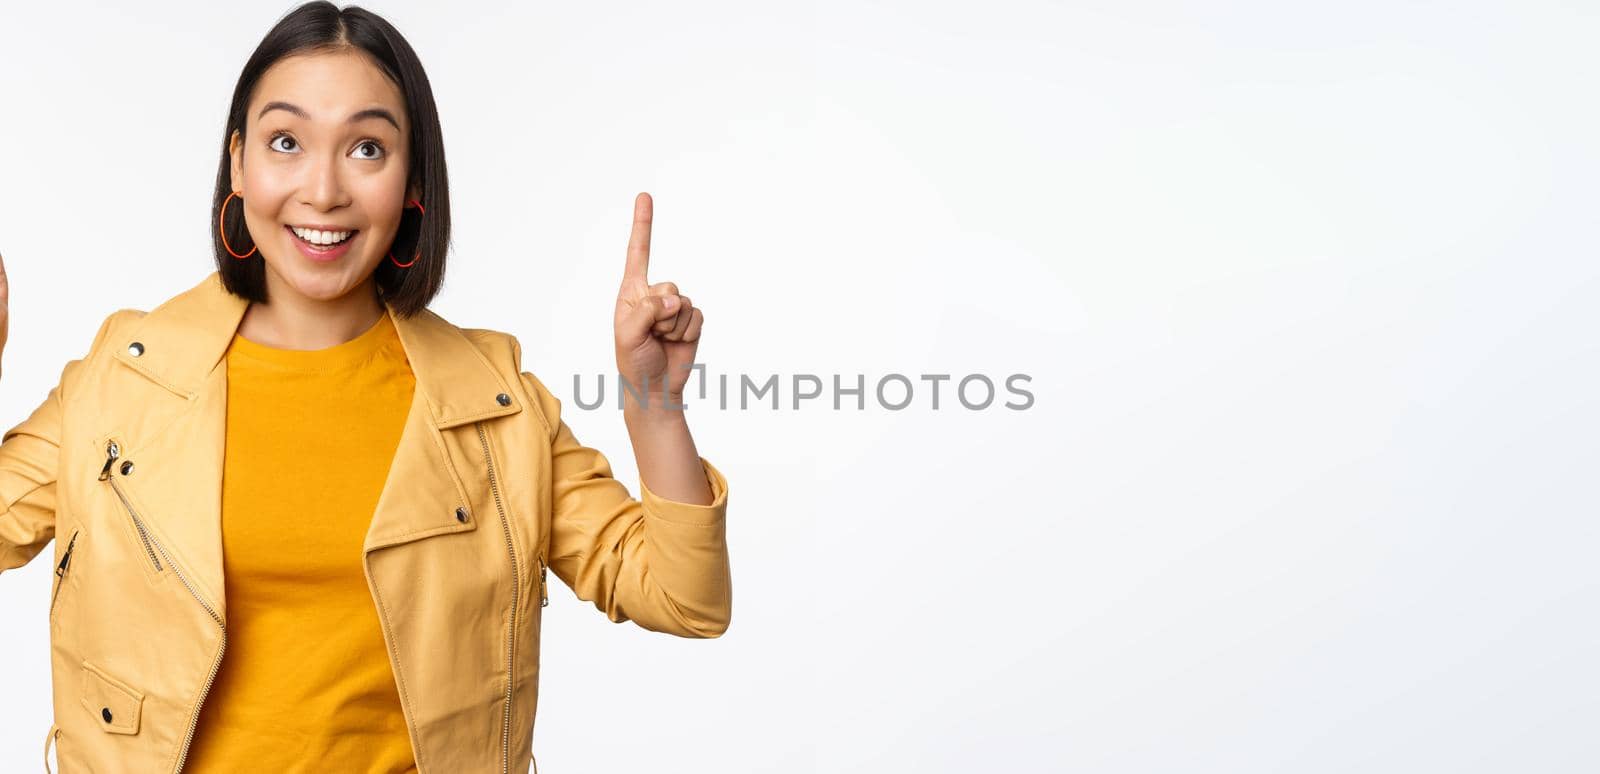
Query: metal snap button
461,515
127,467
105,714
505,400
136,349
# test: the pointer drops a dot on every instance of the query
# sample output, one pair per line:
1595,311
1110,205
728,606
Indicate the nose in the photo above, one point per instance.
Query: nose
323,187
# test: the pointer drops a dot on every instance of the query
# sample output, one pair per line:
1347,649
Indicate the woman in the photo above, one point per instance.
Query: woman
302,523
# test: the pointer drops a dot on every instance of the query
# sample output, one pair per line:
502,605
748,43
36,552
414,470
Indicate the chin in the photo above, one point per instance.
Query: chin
323,282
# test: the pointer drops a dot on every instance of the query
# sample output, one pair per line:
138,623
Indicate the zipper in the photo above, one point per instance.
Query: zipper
61,570
112,450
154,547
544,596
516,585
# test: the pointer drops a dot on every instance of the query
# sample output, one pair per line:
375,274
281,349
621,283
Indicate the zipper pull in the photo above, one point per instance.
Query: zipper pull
544,595
61,572
111,456
61,569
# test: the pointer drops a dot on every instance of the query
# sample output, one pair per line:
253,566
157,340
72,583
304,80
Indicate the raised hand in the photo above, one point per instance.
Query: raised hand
657,328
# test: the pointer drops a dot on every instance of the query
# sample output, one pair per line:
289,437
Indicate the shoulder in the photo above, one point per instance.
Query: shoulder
489,339
107,338
501,348
504,353
111,330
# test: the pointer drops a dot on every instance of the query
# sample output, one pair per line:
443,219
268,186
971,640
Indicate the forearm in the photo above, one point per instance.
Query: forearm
665,452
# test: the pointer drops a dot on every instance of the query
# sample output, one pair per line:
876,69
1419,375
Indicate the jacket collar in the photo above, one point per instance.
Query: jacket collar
184,339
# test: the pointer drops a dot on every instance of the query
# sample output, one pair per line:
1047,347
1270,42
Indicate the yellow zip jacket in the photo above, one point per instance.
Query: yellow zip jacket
122,466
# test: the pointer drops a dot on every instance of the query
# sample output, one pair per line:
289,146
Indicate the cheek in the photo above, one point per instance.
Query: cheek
265,191
381,198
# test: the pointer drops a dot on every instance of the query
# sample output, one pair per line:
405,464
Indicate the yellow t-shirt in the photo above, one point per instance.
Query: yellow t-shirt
305,683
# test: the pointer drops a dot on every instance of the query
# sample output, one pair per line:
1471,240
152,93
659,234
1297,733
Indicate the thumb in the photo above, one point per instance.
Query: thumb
645,313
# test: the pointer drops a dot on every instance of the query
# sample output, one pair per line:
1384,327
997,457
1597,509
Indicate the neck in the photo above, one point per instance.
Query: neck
293,320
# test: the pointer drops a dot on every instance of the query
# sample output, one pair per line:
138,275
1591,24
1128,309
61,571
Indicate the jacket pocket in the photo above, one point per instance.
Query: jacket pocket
114,704
62,568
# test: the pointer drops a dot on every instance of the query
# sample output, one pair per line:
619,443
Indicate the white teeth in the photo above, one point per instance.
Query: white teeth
321,237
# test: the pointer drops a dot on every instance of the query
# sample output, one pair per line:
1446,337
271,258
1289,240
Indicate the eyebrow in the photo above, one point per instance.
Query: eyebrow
359,115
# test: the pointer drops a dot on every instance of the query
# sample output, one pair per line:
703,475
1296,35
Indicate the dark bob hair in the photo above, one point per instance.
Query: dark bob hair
319,27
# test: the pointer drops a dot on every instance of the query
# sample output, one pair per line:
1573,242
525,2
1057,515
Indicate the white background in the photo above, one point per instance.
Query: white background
1308,295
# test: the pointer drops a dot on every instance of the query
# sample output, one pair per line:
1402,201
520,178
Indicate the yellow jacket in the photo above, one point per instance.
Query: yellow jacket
122,465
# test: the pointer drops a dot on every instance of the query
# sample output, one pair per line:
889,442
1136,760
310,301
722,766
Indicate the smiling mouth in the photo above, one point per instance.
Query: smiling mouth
321,240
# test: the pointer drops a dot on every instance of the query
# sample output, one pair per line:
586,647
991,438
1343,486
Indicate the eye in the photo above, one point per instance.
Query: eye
377,150
282,136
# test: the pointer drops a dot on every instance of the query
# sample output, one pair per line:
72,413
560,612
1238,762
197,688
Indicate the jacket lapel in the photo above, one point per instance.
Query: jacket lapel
177,448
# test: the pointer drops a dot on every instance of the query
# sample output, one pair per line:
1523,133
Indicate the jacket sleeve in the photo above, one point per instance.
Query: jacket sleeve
29,453
660,563
28,456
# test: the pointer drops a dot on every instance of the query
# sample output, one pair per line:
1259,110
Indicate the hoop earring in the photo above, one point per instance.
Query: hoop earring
419,252
221,217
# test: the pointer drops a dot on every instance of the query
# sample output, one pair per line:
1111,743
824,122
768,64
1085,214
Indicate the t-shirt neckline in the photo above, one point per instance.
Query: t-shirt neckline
341,355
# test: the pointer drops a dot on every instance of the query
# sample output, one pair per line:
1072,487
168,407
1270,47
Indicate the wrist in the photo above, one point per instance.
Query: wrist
657,409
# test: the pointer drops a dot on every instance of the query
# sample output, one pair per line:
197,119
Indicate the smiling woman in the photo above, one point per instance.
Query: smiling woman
332,132
308,522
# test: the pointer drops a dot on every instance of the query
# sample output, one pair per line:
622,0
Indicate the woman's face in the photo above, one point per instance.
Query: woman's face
325,148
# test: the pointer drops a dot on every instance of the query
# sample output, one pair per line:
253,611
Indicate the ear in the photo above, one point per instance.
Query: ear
236,165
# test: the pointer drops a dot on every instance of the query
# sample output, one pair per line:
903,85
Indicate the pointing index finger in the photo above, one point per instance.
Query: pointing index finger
639,241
